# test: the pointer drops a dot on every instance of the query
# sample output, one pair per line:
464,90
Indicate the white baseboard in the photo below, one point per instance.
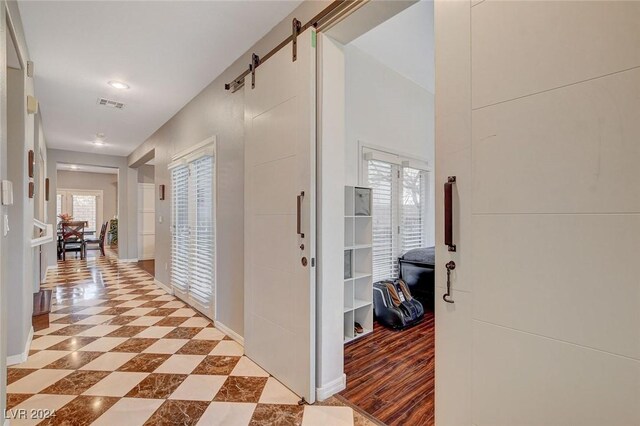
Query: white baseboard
163,286
22,357
229,332
331,388
128,260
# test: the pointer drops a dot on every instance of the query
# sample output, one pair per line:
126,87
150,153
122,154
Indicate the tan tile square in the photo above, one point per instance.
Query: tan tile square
228,348
103,344
44,342
100,330
14,399
246,367
276,393
195,322
322,415
50,329
165,297
146,321
155,332
130,303
116,384
180,364
109,361
174,304
166,346
93,310
129,411
228,414
210,333
199,388
42,358
184,312
36,381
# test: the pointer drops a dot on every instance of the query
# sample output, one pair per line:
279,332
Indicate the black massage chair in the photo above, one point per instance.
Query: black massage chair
393,305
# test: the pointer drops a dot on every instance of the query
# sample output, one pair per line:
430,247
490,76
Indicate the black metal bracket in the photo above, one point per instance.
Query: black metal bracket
255,61
295,30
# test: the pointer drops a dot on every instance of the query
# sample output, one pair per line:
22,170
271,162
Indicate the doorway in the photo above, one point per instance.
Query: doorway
147,217
384,82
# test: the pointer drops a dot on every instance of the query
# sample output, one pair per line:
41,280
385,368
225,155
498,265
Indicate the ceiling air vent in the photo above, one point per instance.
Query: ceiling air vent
110,103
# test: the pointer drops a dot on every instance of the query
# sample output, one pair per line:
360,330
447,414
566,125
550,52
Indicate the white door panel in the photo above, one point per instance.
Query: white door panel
279,165
146,221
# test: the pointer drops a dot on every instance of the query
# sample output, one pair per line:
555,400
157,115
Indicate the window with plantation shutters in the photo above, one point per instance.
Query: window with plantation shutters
382,180
400,195
193,229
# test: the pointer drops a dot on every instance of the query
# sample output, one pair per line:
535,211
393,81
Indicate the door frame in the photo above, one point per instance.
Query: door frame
67,195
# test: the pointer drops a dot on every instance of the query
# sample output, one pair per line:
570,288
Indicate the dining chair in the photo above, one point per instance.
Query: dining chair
97,243
73,238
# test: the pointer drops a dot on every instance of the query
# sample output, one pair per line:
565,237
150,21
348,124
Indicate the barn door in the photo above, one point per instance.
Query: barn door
280,216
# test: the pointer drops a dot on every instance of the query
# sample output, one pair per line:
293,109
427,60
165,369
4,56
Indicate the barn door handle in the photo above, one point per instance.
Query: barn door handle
451,265
299,214
448,213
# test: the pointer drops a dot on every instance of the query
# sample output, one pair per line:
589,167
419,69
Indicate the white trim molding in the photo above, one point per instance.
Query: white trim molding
229,332
331,388
163,286
128,260
21,357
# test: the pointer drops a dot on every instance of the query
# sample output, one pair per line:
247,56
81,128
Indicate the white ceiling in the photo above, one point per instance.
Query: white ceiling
405,43
86,168
167,51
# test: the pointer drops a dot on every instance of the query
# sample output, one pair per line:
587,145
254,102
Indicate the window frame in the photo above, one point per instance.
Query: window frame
67,203
398,162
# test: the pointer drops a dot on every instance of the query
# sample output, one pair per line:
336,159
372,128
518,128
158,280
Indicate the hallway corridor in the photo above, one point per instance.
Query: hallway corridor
121,351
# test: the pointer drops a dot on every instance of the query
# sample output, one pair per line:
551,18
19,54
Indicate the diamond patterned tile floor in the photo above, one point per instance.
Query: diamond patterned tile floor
119,350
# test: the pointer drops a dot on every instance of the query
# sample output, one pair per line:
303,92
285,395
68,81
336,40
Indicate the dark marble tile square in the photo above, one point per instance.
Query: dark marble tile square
15,374
277,414
70,319
198,347
120,320
153,304
216,365
74,360
14,399
76,382
72,344
177,412
241,389
134,345
83,410
183,333
127,331
115,311
144,363
161,312
158,386
71,330
171,321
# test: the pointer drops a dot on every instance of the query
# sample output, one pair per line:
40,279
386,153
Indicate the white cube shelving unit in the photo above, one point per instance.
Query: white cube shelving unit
358,281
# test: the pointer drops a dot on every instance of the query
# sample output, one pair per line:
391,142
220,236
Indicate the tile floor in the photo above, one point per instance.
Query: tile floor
121,351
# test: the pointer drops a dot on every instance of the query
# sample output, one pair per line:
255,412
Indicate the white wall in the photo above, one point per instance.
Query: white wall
388,111
537,113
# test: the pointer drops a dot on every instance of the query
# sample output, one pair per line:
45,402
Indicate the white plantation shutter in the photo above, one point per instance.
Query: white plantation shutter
203,248
382,179
399,213
413,209
180,241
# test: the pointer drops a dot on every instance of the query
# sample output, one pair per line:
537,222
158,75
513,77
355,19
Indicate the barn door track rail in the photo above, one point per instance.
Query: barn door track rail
323,20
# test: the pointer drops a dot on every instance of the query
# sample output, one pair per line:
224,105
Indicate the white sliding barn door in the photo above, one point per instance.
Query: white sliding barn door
279,167
538,117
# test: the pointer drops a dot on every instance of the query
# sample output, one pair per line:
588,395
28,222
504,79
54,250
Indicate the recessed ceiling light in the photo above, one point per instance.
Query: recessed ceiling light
73,167
118,85
98,142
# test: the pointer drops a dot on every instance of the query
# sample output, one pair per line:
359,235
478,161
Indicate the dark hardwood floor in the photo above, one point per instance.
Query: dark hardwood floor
148,265
390,374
